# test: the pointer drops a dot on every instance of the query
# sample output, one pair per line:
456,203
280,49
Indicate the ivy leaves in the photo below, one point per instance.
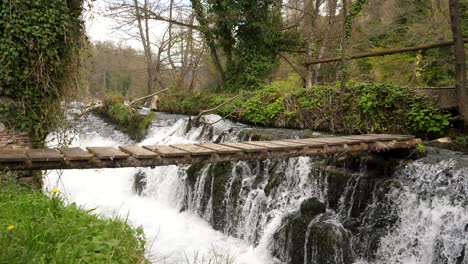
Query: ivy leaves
39,43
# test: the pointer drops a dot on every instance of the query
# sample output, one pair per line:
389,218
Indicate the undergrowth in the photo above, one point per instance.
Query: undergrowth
365,108
39,228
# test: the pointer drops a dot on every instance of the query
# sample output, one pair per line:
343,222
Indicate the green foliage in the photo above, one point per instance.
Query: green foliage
249,33
39,44
356,7
421,149
35,228
461,140
428,119
390,108
398,67
126,119
438,69
264,106
367,108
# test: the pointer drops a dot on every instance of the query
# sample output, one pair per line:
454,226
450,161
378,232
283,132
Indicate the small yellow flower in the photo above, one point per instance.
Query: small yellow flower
55,190
10,227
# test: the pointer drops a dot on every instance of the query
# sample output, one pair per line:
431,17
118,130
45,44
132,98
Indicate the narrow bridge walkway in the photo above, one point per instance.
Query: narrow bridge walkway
160,155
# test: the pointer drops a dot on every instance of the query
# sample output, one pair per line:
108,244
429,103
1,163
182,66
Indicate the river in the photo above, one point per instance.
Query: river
413,212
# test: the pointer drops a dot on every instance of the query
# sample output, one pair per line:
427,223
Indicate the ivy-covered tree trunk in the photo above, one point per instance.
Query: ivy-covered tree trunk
310,26
39,63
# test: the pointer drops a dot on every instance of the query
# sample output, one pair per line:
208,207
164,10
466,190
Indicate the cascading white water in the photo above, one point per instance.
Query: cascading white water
432,208
172,235
431,202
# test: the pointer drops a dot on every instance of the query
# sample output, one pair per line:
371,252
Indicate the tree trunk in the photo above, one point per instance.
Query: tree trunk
460,60
332,6
144,35
209,38
310,21
344,68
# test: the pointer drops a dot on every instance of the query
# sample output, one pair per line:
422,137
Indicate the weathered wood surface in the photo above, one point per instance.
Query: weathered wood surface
75,154
139,152
161,155
167,151
221,149
13,155
268,144
108,153
194,149
44,155
246,147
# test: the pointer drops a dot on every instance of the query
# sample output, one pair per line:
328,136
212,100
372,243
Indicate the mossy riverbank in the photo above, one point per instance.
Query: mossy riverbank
365,108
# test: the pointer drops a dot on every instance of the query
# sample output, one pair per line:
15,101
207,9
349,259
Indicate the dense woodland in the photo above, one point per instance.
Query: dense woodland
242,45
266,53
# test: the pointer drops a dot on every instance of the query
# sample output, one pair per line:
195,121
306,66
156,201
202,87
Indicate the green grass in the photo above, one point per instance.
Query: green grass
39,228
213,258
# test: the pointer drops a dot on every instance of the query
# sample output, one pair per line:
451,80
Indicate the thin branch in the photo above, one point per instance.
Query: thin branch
292,66
146,97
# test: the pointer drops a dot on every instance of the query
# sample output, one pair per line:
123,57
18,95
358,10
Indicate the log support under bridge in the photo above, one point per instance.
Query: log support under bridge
176,154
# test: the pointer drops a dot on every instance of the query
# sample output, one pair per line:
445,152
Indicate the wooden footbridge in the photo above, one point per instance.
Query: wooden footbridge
160,155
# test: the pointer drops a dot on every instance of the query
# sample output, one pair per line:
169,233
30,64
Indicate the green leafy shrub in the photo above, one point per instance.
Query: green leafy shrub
263,108
428,119
35,228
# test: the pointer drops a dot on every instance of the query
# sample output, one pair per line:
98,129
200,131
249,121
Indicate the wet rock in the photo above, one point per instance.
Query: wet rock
221,172
327,241
290,238
139,182
312,207
377,219
337,180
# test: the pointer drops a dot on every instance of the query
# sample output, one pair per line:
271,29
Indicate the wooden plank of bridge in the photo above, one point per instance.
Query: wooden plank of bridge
182,154
194,149
107,153
268,144
75,154
290,144
41,155
167,151
13,155
246,147
377,137
139,152
335,141
306,142
220,149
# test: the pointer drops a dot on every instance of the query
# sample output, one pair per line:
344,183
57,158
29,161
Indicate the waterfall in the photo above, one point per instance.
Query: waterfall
432,209
302,210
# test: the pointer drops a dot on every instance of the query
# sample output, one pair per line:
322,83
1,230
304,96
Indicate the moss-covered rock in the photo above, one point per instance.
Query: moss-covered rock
220,175
327,242
290,238
312,207
125,118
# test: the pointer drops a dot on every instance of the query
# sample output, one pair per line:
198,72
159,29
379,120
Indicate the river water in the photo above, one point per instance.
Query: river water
419,213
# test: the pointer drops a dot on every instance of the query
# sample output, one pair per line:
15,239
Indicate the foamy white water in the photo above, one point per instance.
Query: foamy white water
172,236
428,197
